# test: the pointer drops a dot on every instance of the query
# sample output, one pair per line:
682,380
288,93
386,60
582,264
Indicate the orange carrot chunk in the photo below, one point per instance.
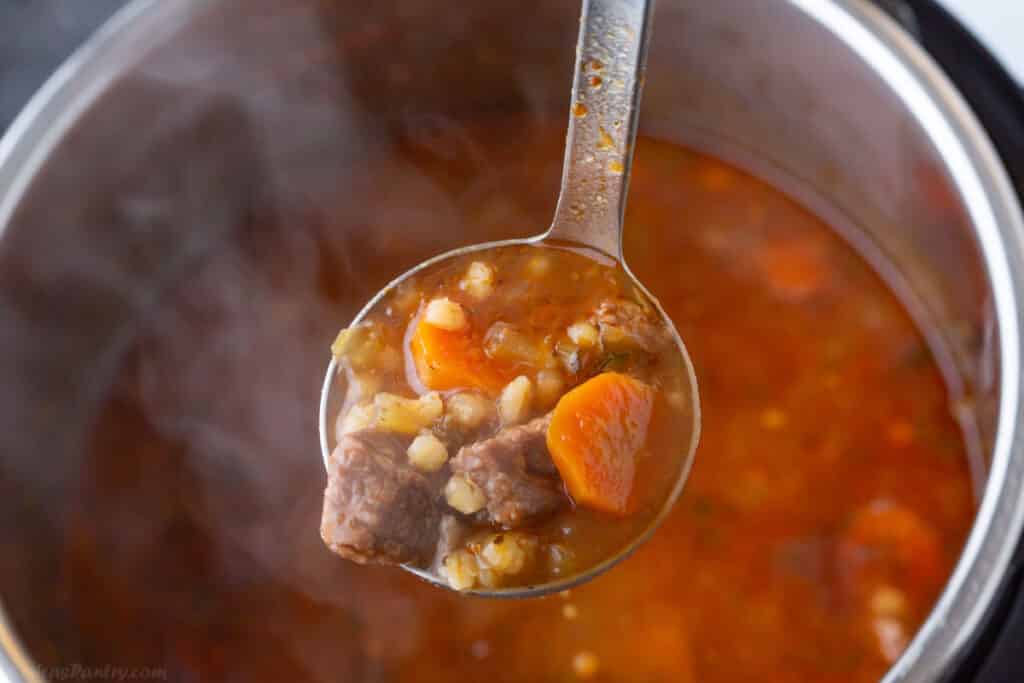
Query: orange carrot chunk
794,270
446,359
888,538
596,430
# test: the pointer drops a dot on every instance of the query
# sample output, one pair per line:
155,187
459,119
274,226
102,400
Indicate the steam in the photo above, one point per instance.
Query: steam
230,354
197,246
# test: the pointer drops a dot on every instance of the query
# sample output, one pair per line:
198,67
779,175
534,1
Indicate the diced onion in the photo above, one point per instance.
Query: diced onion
407,415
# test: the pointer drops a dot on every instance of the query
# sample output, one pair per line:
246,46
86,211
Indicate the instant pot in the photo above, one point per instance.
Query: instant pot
888,117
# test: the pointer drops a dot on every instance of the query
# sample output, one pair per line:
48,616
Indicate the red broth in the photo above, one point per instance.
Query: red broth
829,499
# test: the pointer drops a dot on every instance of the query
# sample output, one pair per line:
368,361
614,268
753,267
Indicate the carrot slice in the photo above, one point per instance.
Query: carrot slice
454,360
596,430
889,539
794,270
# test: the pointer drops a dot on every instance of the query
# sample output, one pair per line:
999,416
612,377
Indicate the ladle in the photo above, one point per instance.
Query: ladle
610,58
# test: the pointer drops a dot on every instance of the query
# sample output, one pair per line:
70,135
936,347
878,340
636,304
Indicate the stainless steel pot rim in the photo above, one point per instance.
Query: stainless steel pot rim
911,74
995,212
37,130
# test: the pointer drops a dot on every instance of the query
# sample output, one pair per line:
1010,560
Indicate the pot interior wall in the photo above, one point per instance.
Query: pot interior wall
775,91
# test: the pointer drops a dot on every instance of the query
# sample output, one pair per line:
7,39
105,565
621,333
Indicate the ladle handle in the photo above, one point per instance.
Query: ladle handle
611,56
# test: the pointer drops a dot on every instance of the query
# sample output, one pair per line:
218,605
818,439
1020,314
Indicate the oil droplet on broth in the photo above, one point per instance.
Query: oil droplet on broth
579,110
604,140
615,167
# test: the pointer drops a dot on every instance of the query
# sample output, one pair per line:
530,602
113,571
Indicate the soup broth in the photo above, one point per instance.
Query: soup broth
827,504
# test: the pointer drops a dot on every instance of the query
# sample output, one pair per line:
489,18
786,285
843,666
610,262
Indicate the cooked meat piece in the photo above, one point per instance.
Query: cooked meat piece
624,324
516,474
378,508
533,438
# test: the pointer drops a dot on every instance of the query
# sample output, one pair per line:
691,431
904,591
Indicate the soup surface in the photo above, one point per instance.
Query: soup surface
827,504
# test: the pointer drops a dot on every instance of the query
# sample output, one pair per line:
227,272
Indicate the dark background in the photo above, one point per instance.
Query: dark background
35,37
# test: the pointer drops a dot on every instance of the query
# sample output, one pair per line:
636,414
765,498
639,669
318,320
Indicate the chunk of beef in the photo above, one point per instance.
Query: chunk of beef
516,474
624,324
377,508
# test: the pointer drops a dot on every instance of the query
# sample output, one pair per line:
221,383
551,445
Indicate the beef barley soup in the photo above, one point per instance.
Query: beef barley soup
828,501
512,418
